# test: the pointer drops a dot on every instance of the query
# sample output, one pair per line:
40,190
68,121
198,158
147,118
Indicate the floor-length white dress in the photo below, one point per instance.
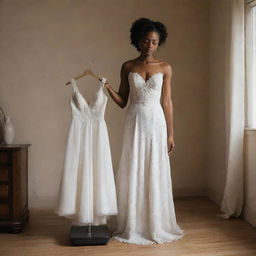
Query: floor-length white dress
146,213
87,192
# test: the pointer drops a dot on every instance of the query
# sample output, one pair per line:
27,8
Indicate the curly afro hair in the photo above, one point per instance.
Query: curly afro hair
142,26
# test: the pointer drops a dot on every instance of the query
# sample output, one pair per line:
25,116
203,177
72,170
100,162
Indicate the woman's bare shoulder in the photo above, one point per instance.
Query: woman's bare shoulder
128,65
166,67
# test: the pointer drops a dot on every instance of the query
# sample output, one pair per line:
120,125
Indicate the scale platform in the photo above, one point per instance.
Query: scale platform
89,235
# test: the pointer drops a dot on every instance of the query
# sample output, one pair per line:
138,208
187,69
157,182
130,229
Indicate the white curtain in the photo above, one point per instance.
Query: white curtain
232,202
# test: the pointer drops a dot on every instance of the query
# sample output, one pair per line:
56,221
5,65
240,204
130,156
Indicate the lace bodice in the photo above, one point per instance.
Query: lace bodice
142,91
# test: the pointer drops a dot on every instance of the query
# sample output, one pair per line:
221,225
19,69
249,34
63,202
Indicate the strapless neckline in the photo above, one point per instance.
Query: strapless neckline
145,81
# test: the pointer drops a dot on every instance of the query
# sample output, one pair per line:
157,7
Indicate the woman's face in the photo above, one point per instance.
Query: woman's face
149,44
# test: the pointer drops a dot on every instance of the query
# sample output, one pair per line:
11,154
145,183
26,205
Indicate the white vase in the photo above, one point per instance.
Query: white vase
8,131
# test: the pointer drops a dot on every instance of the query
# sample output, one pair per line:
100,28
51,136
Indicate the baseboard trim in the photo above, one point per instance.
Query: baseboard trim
189,192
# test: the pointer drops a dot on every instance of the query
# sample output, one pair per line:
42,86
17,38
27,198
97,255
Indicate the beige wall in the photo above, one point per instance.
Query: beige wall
46,43
249,210
216,173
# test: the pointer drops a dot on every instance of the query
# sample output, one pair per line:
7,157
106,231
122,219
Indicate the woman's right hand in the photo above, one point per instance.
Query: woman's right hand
107,85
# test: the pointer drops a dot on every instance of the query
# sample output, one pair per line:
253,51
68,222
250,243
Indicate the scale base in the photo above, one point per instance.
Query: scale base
89,235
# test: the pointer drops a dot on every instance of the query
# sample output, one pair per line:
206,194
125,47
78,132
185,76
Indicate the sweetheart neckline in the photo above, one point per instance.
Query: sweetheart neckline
145,81
87,103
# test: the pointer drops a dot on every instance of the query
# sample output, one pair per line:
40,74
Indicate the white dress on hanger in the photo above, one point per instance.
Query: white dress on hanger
146,213
87,192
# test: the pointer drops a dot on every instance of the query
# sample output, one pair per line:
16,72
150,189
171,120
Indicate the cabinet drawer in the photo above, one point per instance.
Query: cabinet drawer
4,190
4,171
5,158
4,209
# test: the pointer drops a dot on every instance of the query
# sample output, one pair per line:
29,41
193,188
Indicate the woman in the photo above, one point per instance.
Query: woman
146,213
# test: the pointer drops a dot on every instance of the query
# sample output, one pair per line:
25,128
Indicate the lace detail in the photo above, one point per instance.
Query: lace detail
146,213
145,92
143,241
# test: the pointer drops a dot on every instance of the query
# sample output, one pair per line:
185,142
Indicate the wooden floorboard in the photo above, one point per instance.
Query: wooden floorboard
206,234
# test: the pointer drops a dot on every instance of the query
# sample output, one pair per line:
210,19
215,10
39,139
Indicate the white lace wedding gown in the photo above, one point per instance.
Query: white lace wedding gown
146,213
87,192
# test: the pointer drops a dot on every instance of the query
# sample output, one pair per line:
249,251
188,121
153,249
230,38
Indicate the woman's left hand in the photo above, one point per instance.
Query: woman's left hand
171,144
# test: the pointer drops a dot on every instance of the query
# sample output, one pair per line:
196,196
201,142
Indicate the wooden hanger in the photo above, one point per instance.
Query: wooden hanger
85,73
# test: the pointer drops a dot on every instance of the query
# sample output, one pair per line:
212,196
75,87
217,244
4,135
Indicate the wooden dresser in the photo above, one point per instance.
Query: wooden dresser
14,211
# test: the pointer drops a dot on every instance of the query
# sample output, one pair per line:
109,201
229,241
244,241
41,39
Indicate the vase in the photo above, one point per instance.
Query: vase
8,131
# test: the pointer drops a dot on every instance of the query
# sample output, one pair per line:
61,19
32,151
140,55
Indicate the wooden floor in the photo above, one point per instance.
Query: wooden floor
205,234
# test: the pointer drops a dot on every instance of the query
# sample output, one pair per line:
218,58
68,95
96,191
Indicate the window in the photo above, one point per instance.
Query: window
250,68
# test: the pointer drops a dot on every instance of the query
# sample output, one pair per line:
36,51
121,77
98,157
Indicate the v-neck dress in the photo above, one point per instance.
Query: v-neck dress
87,192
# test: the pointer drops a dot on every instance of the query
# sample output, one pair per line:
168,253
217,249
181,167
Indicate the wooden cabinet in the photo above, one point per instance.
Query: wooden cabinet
14,212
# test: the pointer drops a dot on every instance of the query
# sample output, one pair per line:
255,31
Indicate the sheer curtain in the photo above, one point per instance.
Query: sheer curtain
232,202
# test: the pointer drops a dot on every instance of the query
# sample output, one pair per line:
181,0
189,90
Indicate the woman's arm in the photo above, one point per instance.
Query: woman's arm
168,106
120,97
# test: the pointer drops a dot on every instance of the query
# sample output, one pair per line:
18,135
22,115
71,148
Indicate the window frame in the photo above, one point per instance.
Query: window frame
250,50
